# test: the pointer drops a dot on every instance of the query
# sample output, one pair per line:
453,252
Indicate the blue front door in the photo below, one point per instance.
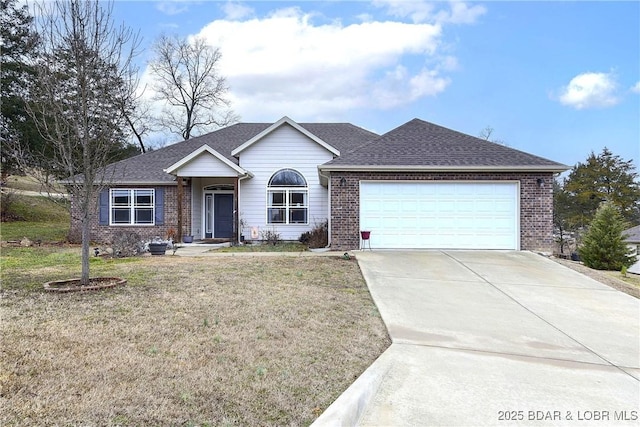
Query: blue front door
223,215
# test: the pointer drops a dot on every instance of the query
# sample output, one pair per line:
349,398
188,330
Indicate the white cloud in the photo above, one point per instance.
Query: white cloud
590,90
235,11
284,64
636,88
424,11
291,62
172,7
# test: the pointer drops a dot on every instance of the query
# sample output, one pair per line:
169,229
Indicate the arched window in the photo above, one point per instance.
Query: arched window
287,198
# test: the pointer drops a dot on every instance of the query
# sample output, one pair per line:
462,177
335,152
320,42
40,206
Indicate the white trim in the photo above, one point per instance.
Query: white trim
288,191
204,210
205,148
132,207
275,126
409,168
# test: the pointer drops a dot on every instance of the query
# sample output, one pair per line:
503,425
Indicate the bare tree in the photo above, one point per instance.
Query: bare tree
187,79
83,67
486,135
135,110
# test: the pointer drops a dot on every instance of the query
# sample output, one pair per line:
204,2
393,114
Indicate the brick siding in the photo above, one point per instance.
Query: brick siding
536,204
104,233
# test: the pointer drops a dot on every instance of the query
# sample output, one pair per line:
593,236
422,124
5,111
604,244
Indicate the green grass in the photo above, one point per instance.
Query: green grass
29,268
37,218
44,231
280,247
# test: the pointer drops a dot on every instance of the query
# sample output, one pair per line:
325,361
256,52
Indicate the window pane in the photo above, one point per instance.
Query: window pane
144,216
144,197
298,216
287,178
276,198
120,197
298,198
276,216
121,216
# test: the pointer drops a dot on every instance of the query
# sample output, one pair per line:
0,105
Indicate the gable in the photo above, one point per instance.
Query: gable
285,121
205,161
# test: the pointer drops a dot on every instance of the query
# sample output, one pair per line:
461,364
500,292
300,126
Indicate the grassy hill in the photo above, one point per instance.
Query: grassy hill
35,217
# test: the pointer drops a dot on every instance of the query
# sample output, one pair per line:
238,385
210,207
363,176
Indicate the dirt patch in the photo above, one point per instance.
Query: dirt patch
601,276
75,285
189,341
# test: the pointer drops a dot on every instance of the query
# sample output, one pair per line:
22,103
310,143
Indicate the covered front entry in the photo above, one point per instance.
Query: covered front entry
218,215
440,215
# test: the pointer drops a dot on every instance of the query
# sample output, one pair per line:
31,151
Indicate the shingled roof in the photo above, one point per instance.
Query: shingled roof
420,145
148,168
632,234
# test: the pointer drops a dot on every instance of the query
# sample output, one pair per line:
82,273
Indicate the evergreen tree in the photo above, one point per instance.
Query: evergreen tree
603,177
603,246
17,52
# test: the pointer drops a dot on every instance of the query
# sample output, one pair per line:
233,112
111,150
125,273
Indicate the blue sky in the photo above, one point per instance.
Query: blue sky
556,79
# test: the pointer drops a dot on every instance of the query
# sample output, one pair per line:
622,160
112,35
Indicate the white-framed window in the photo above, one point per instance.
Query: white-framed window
134,206
287,198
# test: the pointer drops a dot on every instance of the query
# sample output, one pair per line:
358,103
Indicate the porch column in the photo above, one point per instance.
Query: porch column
180,193
236,214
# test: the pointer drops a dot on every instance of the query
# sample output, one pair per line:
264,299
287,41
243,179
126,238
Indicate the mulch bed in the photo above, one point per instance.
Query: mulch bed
73,285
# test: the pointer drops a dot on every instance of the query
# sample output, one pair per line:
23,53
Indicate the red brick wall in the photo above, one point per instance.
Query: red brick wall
536,204
104,233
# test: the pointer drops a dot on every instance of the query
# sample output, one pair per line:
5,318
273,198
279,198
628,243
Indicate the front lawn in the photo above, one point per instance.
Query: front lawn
188,341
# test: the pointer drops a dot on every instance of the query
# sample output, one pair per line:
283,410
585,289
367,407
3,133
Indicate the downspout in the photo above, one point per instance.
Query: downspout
328,205
239,231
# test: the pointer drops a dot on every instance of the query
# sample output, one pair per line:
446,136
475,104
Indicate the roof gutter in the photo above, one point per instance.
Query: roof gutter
419,168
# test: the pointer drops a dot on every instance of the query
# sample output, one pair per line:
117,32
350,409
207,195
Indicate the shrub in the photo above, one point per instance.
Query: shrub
126,244
603,246
270,236
318,237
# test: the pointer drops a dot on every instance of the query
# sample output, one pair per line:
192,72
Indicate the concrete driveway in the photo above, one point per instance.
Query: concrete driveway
495,338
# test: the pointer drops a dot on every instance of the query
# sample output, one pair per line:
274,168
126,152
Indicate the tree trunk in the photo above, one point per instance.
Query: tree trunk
86,238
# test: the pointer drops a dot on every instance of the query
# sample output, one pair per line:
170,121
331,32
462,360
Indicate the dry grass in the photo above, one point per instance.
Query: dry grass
629,284
189,341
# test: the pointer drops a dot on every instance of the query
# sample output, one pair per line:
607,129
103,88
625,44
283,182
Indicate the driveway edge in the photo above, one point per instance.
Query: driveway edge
349,407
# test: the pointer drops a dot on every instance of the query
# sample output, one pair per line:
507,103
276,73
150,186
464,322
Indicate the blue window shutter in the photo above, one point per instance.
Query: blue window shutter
104,207
159,206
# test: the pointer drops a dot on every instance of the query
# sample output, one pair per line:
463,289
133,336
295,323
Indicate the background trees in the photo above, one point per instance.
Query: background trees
603,179
188,81
17,55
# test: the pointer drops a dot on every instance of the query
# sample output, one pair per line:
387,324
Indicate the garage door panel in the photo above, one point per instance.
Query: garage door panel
440,215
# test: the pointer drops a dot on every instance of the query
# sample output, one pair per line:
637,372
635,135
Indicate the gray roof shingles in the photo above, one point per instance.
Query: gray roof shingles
423,144
416,143
633,234
148,167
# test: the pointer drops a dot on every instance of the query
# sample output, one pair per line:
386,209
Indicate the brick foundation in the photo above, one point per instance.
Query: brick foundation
536,204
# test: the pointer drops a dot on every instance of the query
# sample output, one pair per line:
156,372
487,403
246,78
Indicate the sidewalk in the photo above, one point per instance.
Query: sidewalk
208,250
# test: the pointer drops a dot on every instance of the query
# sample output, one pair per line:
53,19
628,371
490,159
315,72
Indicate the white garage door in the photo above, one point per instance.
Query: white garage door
442,215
